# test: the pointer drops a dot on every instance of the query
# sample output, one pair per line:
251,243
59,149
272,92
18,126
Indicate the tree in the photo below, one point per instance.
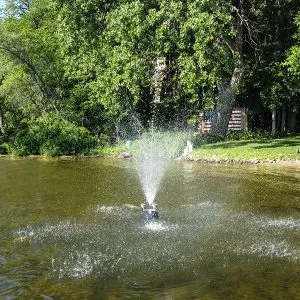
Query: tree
155,56
267,84
97,63
27,37
293,64
293,60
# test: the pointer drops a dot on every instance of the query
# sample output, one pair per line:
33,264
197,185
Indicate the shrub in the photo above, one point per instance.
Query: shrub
208,138
247,135
53,136
4,148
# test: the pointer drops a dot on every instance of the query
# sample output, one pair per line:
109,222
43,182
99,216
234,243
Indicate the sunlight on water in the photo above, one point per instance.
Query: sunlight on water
159,226
82,232
285,223
103,249
271,249
105,209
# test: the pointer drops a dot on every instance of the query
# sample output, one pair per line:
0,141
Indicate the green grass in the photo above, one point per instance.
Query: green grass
263,149
110,150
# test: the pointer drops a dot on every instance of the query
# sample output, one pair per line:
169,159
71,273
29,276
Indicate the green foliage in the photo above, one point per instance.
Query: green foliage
52,136
268,83
293,64
4,147
248,135
117,66
293,61
110,151
202,139
93,62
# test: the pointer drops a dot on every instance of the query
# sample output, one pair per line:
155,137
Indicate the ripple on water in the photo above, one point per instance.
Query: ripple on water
78,265
289,223
204,204
6,285
61,230
159,226
102,249
262,236
120,212
105,209
271,249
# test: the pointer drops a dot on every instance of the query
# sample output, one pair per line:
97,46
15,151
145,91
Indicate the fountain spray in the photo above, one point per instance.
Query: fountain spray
156,150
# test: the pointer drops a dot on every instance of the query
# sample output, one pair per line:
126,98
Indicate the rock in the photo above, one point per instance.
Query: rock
124,155
254,161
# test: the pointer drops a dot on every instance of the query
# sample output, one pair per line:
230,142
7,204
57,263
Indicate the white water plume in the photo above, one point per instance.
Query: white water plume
156,149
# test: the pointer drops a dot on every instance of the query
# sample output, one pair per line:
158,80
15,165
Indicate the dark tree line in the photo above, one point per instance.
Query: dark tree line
96,64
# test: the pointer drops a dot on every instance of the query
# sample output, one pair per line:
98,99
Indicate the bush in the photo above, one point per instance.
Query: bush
208,138
247,135
52,136
4,148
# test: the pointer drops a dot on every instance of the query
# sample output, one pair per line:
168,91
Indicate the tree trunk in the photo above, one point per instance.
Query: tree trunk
273,121
292,122
223,111
2,131
227,96
229,87
159,77
283,121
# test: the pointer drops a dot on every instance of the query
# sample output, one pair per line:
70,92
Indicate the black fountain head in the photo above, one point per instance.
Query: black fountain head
149,211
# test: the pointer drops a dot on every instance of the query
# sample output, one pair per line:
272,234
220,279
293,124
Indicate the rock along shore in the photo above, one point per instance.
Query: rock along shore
252,161
189,158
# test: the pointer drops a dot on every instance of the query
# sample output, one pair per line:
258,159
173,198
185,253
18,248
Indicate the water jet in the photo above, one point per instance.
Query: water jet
155,153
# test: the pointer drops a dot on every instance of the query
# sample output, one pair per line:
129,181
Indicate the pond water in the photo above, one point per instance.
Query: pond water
72,229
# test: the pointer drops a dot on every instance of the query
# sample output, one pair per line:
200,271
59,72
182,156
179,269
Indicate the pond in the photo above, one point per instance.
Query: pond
72,229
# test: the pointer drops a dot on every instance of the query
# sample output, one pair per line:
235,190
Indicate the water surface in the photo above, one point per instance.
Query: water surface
72,229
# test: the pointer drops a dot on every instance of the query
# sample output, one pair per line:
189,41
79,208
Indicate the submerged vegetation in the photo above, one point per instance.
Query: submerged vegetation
77,77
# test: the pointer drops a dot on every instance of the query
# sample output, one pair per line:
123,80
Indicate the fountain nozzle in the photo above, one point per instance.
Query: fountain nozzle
149,211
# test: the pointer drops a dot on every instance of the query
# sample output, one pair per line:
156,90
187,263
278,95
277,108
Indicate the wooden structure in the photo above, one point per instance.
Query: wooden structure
237,122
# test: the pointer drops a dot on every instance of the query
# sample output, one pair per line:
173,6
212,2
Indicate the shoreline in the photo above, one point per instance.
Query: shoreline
193,159
239,161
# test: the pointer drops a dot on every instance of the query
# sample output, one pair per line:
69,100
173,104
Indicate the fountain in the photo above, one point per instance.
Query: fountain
156,150
149,211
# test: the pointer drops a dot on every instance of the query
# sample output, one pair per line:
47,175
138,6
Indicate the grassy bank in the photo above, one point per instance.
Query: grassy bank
248,151
262,150
233,151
